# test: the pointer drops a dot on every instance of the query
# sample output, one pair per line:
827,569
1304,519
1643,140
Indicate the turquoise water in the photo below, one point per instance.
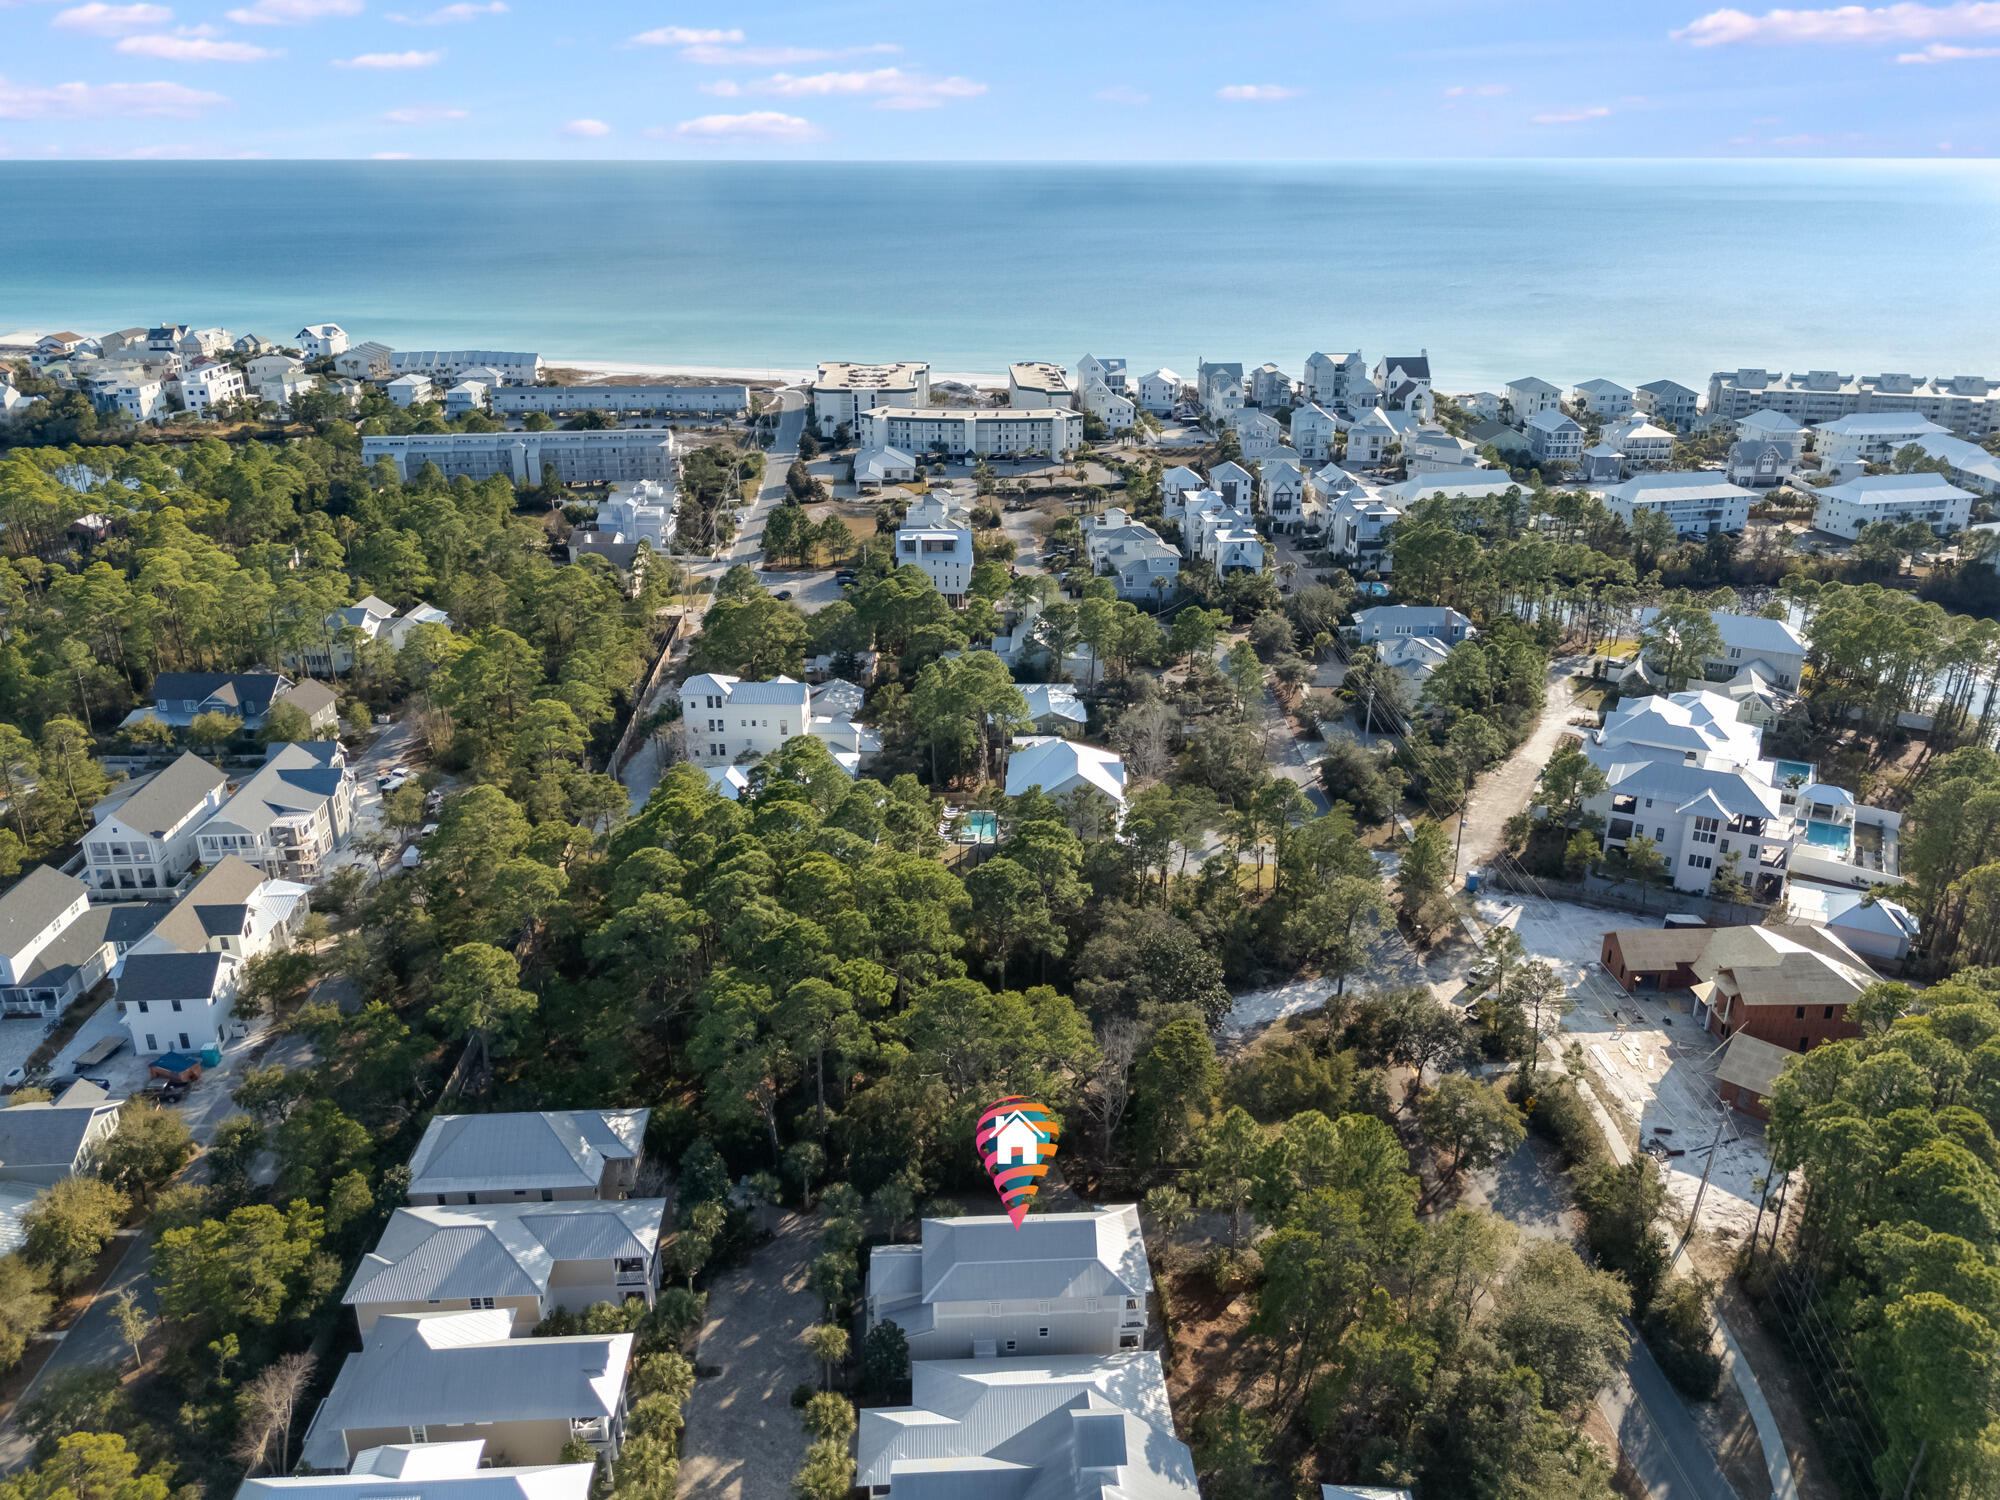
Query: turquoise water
1829,835
1786,769
1630,270
981,828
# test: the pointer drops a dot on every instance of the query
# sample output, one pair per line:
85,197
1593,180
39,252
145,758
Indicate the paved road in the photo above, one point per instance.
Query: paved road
743,1439
749,544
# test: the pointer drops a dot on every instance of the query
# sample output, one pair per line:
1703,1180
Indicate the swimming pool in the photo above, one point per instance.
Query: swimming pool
1829,835
981,828
1782,772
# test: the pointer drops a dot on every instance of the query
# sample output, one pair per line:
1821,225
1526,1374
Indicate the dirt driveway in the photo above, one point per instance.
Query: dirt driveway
743,1439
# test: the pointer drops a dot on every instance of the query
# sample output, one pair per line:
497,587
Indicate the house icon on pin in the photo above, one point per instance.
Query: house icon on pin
1016,1141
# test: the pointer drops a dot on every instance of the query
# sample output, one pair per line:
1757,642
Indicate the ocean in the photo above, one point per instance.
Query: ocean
1632,270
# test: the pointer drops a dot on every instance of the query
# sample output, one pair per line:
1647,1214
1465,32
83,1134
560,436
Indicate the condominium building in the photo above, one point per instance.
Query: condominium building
842,391
627,400
609,457
1967,465
1870,437
1695,503
1038,383
996,432
1968,405
513,368
1932,499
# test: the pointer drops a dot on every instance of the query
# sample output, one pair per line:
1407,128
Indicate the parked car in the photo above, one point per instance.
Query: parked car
784,594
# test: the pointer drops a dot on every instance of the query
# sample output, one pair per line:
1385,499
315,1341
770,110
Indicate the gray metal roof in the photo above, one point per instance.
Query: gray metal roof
983,1256
48,1134
1060,1429
250,693
154,803
1748,632
285,786
492,1153
499,1250
444,1368
34,901
217,906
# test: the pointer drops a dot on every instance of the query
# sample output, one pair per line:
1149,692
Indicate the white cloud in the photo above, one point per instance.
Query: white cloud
759,125
1904,22
587,129
422,114
1942,52
1572,116
293,12
76,101
722,88
109,20
1257,93
894,88
777,57
1120,93
683,36
391,156
189,47
1476,91
391,60
448,14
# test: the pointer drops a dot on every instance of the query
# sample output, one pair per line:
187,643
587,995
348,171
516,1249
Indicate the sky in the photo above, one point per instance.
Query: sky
895,80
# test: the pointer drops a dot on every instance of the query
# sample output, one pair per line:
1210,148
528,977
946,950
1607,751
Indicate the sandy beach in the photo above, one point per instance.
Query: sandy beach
612,368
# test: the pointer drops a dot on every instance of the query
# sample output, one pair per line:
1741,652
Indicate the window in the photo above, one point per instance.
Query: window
482,1304
548,1195
151,1045
142,1007
1799,1012
1705,830
1128,1341
419,1435
1131,1304
1828,1016
185,1043
1041,1333
1701,861
1805,1044
177,1005
1010,1346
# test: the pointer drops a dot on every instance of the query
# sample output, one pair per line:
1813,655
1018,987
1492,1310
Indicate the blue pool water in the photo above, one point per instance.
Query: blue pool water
1829,835
981,828
1786,769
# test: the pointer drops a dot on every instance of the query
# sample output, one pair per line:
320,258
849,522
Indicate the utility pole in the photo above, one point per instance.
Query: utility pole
1722,1120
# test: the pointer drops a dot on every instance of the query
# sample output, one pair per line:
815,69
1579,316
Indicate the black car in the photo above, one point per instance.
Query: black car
784,594
845,575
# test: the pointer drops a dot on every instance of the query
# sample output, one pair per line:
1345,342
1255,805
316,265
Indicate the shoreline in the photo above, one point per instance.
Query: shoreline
739,375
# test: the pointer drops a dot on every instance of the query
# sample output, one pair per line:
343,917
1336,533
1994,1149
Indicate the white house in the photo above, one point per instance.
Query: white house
1235,484
1270,387
1176,482
35,912
1109,373
1285,494
1554,437
269,372
726,719
1331,380
375,619
288,818
1603,398
1160,392
321,340
139,397
1760,464
1115,411
1357,523
207,384
1870,437
1530,395
1144,568
1038,383
1059,766
1432,450
1696,503
142,835
1668,402
407,390
1313,429
1061,1284
205,343
1404,381
842,391
1099,1426
466,396
1257,432
1482,405
936,535
1054,707
1644,445
179,1002
234,909
1219,387
875,467
1223,536
1369,440
1844,509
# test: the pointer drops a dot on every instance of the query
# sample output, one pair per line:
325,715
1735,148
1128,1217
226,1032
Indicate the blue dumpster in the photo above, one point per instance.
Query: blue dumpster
1472,883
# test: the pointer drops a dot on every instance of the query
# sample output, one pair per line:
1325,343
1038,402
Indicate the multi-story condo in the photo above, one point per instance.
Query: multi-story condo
1695,503
1038,383
556,1156
936,535
321,340
1870,438
1068,1283
1331,380
288,818
1967,465
608,457
142,835
513,368
369,361
1668,402
959,431
1554,437
1932,499
628,400
1968,405
842,391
